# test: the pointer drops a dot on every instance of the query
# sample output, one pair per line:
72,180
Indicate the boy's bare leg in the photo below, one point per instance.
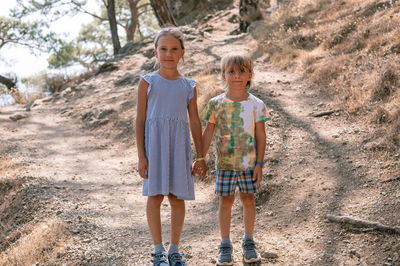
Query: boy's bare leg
224,214
153,217
177,218
249,212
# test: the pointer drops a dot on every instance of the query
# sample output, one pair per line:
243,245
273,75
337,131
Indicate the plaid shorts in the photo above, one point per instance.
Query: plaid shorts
227,181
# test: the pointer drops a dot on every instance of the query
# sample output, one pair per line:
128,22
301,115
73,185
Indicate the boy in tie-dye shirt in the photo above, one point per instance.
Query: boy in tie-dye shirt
237,120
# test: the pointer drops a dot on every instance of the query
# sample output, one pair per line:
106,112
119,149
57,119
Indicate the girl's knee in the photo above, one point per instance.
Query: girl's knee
174,201
156,200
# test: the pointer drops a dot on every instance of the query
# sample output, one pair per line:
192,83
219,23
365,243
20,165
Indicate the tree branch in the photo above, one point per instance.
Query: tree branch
363,223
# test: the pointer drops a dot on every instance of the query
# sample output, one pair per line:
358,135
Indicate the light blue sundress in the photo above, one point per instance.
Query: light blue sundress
167,139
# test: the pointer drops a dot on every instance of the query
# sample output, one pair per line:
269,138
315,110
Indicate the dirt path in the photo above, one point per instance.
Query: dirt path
313,167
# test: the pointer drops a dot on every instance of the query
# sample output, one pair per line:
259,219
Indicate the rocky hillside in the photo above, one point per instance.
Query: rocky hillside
327,71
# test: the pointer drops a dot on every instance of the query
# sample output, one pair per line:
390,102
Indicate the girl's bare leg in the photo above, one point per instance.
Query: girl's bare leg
177,218
153,217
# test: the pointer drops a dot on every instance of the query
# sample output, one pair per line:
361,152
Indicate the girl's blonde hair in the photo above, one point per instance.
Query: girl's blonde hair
241,61
170,31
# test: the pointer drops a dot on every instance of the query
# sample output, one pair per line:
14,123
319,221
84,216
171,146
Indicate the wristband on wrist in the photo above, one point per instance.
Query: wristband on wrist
260,164
199,159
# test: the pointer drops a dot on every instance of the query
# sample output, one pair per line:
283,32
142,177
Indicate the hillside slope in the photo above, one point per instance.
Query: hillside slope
70,182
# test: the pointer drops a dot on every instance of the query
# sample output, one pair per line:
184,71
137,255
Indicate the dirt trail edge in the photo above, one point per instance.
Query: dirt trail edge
315,166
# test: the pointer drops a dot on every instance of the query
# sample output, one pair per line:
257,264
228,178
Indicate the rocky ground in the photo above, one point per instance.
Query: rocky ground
76,151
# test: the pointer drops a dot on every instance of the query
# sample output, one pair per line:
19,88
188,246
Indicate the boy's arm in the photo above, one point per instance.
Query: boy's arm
260,150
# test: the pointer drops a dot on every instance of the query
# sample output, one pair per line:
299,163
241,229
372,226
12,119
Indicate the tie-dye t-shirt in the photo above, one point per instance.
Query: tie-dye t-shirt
235,124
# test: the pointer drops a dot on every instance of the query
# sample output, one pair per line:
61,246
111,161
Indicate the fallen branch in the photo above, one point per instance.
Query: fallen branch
325,113
363,223
397,178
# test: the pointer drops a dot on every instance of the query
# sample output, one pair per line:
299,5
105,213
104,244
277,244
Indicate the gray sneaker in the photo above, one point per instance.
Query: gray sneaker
225,254
250,253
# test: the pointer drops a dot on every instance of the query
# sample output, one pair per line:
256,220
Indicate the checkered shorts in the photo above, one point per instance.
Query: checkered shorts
227,181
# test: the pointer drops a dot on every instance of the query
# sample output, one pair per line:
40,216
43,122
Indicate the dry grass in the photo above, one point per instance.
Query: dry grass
43,244
349,47
208,86
22,240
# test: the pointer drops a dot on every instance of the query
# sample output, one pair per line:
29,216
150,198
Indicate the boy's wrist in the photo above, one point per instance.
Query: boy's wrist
259,163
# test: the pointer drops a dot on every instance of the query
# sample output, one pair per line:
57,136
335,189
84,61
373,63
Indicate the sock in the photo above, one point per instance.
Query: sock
159,248
173,248
225,240
247,236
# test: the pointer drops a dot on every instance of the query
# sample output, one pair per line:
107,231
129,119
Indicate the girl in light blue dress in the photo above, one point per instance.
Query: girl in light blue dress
165,101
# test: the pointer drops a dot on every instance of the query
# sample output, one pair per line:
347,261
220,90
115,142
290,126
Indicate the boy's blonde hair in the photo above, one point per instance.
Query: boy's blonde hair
170,31
241,61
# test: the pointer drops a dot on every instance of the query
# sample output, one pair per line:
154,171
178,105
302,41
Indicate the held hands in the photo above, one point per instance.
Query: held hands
199,167
143,167
257,174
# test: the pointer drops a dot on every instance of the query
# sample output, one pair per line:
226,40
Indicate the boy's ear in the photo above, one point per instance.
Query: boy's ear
223,76
155,53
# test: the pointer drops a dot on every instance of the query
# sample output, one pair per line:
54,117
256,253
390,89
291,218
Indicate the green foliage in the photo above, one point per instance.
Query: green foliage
30,34
90,48
64,57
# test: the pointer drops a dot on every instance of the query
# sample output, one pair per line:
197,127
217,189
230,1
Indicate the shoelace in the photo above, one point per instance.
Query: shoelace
249,245
159,257
225,250
177,259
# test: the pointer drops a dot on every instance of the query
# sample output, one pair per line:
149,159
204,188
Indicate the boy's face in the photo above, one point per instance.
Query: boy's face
237,77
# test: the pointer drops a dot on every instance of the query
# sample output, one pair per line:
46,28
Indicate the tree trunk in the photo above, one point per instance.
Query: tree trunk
8,82
133,24
113,25
249,11
162,12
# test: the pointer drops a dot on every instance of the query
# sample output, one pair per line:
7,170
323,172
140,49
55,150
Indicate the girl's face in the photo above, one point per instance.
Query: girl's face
237,77
169,51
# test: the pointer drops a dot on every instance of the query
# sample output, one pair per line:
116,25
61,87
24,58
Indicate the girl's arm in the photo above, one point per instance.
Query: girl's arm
260,150
195,128
140,125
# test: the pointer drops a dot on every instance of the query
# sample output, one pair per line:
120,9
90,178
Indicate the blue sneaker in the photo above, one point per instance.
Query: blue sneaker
175,259
225,254
160,259
250,253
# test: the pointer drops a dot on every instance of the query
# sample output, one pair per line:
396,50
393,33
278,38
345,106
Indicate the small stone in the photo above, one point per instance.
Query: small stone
269,255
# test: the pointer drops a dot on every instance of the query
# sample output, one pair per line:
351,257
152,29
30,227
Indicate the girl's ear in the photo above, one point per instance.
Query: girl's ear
223,76
155,53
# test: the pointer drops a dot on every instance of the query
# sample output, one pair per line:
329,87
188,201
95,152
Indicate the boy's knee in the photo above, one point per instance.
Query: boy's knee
247,199
227,201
